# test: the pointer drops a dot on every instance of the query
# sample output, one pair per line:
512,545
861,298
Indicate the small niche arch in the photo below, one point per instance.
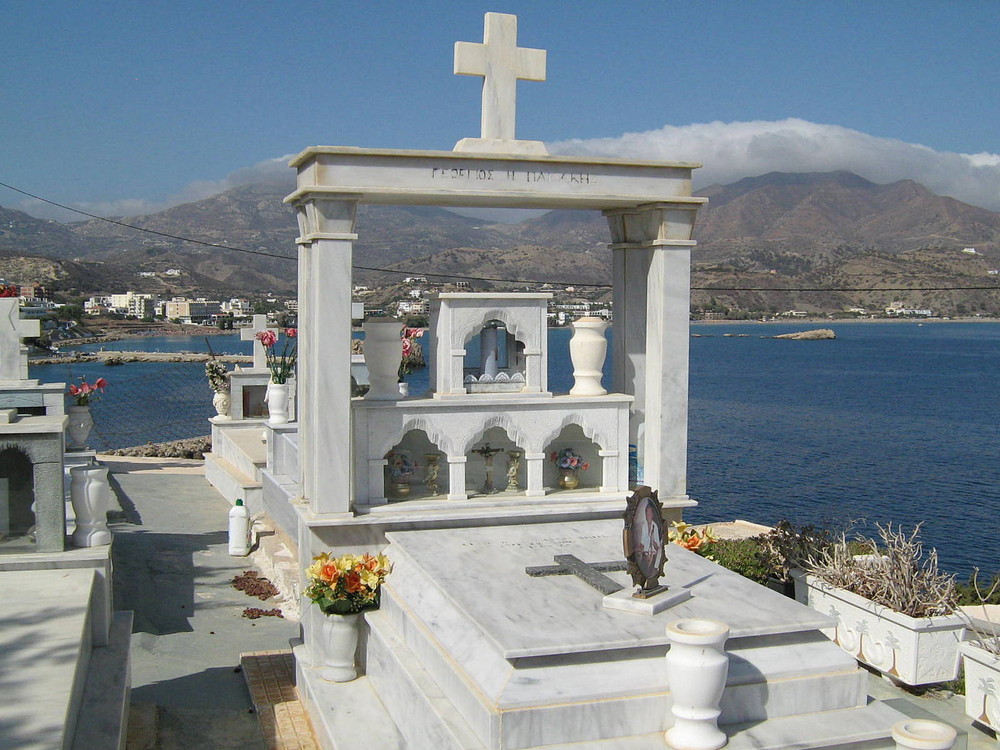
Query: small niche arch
17,496
410,473
477,465
573,438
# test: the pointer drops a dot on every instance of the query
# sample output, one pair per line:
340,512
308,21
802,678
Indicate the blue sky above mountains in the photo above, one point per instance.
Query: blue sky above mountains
126,108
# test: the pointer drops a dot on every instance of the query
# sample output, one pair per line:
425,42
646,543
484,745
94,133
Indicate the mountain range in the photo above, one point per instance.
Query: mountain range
772,232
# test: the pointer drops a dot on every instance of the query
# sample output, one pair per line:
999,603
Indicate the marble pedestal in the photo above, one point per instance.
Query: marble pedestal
467,651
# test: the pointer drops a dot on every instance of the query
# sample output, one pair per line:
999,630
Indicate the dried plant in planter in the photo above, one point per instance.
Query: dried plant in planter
986,631
898,576
788,547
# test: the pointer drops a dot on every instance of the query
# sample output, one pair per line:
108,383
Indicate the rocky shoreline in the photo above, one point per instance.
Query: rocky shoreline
188,448
122,357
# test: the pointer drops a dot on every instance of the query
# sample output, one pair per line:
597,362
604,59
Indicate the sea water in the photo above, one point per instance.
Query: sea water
889,422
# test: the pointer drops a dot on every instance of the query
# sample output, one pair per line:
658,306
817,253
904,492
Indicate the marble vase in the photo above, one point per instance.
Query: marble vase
383,354
277,403
697,668
222,402
587,350
339,634
90,496
921,734
569,479
78,427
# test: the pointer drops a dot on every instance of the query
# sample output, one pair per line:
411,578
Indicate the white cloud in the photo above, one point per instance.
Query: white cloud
734,150
268,171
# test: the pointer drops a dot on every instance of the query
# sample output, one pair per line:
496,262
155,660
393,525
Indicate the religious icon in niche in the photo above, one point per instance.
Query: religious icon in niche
644,541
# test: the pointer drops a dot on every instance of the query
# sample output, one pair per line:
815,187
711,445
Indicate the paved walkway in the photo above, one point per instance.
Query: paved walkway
173,570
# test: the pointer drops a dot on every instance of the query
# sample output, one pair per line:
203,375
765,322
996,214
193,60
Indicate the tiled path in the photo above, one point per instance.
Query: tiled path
270,675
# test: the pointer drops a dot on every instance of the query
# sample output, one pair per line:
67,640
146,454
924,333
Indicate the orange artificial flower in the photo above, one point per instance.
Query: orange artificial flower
329,573
352,582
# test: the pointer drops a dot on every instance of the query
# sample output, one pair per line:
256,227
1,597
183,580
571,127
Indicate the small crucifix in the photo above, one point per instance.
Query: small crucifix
487,453
13,355
501,63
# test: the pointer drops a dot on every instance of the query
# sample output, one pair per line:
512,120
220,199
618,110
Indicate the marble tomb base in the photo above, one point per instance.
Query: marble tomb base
467,651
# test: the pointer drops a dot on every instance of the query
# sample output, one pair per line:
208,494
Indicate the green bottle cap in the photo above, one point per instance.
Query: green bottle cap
239,502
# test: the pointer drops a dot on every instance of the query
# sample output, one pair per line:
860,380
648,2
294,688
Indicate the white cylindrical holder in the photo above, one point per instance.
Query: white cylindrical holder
921,734
78,427
340,634
277,403
383,355
697,668
90,496
587,350
239,530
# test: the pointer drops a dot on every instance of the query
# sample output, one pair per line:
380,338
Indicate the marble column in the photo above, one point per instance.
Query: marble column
651,260
326,241
456,478
376,481
534,468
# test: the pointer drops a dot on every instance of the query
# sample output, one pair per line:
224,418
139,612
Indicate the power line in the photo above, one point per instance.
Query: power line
220,246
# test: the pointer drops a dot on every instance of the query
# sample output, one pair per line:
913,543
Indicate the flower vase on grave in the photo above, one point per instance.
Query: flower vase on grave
339,635
78,427
383,353
587,350
277,403
90,496
697,667
222,402
569,479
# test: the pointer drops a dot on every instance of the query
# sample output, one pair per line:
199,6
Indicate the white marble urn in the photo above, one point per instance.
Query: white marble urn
383,355
78,426
339,635
277,403
587,350
222,402
697,669
90,496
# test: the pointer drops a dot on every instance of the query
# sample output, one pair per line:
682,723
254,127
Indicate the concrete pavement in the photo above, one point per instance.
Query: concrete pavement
173,570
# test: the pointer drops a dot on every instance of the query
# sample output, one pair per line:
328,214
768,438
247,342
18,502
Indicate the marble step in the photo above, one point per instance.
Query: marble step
597,700
103,718
45,652
232,483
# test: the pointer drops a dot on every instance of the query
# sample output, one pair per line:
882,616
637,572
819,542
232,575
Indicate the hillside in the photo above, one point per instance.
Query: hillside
772,231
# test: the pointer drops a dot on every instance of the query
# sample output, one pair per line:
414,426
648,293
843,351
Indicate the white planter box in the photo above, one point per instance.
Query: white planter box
910,650
982,685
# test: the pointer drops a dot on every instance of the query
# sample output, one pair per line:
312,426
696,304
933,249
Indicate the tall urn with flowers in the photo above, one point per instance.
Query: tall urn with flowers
80,421
343,588
218,381
281,366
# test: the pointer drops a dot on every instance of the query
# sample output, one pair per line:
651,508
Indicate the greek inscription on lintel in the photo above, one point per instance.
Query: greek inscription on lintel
466,174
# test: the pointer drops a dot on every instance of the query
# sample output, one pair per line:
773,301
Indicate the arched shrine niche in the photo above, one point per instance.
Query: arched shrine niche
494,465
494,359
574,450
17,494
415,468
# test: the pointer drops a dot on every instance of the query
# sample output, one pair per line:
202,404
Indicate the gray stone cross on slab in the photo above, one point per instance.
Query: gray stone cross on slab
250,334
501,63
588,572
14,356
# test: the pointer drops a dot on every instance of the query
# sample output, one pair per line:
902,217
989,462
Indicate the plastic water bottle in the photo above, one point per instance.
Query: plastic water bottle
239,530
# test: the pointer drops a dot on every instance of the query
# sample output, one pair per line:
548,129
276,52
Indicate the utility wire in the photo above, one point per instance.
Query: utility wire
220,246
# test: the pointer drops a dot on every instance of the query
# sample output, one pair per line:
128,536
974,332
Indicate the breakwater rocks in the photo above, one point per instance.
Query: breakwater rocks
819,334
188,448
120,358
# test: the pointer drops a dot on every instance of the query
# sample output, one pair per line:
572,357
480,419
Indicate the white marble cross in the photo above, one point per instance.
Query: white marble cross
250,334
501,63
14,356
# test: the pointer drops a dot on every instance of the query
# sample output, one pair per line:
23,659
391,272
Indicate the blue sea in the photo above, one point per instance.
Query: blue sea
889,422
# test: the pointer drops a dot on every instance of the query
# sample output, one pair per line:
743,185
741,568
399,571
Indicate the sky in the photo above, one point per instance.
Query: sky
126,108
